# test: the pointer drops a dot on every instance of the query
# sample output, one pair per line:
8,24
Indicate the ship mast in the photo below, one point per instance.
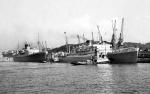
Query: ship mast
113,40
83,39
92,41
100,36
122,26
92,37
38,42
78,39
120,42
45,45
18,45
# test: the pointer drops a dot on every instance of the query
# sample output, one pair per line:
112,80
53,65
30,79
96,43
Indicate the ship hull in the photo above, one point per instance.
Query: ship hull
77,58
125,57
144,57
143,60
37,57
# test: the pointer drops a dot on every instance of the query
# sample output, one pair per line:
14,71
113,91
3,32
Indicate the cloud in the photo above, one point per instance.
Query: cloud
78,24
83,22
22,20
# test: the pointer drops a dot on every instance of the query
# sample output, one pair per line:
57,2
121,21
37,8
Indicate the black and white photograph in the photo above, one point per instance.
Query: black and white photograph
74,46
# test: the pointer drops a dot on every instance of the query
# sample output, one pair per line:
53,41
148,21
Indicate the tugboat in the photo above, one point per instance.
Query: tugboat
30,55
120,54
102,50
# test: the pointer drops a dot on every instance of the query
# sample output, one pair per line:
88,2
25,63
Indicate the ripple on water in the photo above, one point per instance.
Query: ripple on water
67,79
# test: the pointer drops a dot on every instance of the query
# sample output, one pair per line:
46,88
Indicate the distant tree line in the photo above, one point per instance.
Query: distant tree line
141,46
126,44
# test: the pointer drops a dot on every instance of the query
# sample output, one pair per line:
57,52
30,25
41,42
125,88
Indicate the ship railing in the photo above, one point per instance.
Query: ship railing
82,53
122,50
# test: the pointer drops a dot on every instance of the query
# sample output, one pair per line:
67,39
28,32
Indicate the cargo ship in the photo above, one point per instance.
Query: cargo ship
29,54
124,55
121,54
36,57
82,53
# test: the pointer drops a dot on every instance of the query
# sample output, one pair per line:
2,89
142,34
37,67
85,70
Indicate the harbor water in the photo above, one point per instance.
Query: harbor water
64,78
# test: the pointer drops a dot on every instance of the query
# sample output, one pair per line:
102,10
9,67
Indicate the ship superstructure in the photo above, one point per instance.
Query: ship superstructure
29,54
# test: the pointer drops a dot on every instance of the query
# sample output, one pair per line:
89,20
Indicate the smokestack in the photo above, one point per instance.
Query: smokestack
92,41
66,41
92,37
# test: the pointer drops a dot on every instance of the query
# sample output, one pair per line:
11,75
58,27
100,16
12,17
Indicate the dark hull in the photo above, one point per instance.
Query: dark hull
76,58
78,63
144,57
143,60
125,57
37,57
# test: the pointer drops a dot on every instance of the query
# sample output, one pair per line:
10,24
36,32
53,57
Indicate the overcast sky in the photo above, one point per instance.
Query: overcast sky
21,20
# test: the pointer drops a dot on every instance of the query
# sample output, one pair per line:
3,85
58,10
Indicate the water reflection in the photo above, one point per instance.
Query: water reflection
105,73
125,78
64,78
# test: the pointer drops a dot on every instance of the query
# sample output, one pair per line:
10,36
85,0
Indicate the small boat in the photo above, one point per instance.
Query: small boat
78,63
103,60
56,59
88,62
